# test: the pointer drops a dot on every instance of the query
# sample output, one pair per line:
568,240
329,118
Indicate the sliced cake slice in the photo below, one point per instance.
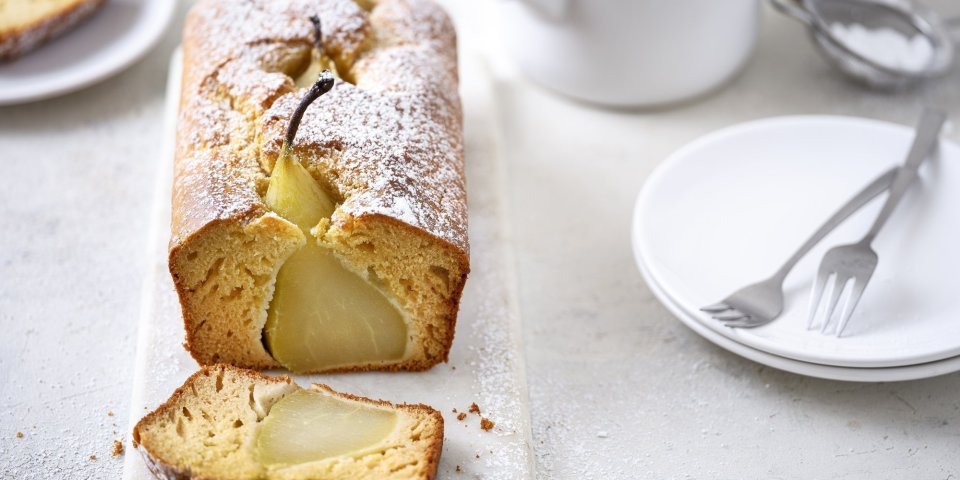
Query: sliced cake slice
227,423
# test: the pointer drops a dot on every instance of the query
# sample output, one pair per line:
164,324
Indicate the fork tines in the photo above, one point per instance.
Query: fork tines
831,285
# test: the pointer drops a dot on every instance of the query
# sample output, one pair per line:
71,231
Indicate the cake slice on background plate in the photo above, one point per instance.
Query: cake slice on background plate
27,24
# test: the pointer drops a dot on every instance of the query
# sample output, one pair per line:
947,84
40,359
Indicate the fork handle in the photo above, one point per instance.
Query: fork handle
871,191
924,143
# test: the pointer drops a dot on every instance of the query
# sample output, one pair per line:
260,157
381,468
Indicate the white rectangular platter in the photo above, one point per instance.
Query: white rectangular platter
486,362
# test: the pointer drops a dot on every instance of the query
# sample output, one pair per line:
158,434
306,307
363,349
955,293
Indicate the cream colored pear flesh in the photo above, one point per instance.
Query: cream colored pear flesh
322,314
308,426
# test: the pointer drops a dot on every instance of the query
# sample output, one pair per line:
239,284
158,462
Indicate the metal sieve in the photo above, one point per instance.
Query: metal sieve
905,17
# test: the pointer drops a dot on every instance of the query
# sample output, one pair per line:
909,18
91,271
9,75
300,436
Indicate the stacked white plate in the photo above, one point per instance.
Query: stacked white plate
728,209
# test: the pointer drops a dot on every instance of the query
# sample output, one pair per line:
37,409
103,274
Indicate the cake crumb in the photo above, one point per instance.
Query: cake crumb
461,416
19,434
93,457
454,410
117,448
486,424
110,413
474,408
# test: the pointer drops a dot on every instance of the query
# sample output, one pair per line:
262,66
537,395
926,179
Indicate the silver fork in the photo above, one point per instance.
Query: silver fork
854,264
762,302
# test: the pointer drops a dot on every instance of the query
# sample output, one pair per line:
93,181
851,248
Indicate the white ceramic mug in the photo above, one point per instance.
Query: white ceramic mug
629,53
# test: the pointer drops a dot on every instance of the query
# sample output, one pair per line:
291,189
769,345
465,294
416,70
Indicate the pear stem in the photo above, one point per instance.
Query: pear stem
323,85
315,19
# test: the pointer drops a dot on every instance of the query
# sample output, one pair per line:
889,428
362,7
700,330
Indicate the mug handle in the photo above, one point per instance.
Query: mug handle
551,9
793,9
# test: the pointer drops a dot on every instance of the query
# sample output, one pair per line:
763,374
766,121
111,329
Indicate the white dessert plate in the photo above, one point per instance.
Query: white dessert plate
111,40
830,372
729,208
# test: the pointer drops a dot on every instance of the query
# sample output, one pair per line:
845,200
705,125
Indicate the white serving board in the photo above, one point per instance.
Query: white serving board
486,362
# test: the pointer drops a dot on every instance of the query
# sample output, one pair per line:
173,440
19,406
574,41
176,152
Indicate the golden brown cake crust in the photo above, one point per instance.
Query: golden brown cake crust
18,41
387,142
165,470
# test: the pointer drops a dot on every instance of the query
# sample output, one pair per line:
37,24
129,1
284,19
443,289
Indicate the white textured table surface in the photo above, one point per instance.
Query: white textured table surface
619,389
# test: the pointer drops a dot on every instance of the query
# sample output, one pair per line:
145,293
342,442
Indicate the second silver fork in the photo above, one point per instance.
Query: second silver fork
762,302
854,264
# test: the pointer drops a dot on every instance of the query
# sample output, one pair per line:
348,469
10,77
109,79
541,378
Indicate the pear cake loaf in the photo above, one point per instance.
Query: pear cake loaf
227,423
348,249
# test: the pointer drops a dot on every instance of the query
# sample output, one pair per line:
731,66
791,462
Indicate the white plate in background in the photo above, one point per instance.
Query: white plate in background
114,37
729,208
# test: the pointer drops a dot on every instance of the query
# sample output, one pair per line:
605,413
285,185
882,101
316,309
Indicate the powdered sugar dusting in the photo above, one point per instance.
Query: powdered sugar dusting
387,156
392,142
390,145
